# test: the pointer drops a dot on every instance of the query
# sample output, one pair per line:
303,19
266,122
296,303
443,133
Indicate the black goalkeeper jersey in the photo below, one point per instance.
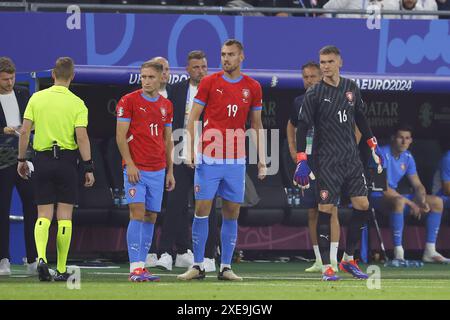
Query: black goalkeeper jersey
331,110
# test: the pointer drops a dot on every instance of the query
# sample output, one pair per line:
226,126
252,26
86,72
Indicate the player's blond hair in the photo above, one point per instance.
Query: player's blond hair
155,65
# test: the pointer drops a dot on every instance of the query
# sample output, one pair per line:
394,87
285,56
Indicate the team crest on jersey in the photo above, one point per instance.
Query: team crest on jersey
245,95
163,113
197,188
120,112
349,96
132,192
324,194
403,167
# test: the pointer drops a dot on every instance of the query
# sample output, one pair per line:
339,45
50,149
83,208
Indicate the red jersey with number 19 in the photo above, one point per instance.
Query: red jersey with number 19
227,103
145,137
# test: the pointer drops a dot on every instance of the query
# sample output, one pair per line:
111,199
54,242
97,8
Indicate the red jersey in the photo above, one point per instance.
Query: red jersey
145,136
227,104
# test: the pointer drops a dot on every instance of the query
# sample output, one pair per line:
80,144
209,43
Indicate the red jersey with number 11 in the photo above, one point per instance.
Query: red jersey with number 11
147,117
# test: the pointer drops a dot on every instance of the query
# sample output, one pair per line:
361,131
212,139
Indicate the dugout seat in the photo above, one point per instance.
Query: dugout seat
271,207
95,203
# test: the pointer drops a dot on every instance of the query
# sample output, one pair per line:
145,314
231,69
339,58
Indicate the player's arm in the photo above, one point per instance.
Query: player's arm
194,117
358,134
291,131
170,179
24,140
445,175
366,132
446,187
257,126
305,121
420,191
121,139
84,147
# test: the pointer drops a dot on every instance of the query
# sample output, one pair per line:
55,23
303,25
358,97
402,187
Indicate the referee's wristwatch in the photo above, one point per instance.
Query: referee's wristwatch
21,159
88,166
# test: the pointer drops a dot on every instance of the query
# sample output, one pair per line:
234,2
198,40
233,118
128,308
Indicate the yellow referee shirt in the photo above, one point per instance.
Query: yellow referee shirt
56,112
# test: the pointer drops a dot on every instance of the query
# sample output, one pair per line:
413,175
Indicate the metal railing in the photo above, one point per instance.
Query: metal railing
86,7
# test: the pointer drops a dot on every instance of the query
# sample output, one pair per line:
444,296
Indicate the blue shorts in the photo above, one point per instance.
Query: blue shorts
375,201
446,200
149,190
227,180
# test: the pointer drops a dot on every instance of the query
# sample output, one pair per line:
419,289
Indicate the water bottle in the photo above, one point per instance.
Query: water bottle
297,198
116,197
414,264
123,199
290,197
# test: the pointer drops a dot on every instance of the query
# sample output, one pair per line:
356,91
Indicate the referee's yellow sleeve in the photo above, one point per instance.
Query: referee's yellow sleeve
82,117
29,110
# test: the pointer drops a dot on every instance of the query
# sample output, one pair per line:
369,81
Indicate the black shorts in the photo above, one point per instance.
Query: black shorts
55,180
334,178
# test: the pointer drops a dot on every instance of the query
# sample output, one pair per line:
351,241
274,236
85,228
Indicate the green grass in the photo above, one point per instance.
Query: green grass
279,281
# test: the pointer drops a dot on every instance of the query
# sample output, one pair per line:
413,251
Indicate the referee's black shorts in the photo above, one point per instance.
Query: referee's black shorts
55,180
333,179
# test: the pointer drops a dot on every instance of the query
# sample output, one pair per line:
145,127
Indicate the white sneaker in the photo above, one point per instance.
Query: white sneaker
193,273
5,267
151,260
399,253
165,262
228,275
209,264
334,265
434,257
31,268
185,260
316,267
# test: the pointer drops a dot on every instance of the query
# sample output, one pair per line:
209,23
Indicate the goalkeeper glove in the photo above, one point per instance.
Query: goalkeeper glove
302,173
376,155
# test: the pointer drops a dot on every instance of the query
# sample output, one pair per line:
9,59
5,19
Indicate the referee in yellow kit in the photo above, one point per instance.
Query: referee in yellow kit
57,115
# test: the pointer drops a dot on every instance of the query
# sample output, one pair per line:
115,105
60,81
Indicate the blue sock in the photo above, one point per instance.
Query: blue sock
433,223
228,236
146,239
200,229
397,221
134,240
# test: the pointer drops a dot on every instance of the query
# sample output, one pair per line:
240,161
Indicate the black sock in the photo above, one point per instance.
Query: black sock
323,236
357,221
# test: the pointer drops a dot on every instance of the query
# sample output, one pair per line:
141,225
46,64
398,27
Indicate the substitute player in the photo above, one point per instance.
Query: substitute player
311,75
333,106
144,130
399,162
227,98
443,180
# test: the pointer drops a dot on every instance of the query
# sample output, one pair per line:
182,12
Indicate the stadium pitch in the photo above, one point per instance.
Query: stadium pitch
262,281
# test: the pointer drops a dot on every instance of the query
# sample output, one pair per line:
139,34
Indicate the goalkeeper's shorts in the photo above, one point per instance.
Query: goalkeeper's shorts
334,178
